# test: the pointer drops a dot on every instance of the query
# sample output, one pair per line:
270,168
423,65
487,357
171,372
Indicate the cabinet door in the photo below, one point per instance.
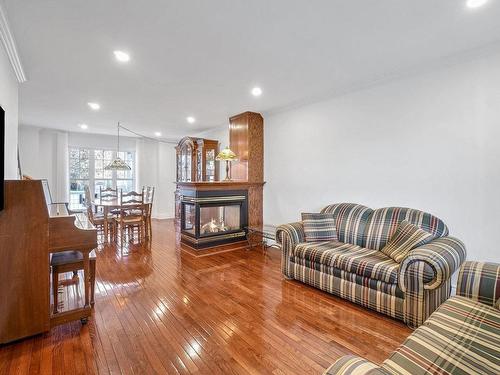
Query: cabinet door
210,165
199,165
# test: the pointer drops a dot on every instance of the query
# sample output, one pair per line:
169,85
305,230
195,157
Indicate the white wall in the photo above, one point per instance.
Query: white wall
9,102
156,167
429,141
43,154
220,134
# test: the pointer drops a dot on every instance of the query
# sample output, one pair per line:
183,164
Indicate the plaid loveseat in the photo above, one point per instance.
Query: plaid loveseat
461,337
354,268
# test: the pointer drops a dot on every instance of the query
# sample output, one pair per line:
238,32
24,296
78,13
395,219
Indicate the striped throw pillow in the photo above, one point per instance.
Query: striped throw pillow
406,238
319,227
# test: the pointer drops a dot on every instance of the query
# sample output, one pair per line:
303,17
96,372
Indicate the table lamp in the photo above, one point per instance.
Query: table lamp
228,156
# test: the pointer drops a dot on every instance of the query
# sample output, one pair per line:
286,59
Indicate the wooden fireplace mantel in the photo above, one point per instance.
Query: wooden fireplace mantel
219,185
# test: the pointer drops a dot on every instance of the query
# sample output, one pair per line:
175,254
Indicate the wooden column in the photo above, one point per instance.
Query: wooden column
246,140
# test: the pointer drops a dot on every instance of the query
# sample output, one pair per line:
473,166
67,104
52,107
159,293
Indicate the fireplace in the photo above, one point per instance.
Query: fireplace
210,218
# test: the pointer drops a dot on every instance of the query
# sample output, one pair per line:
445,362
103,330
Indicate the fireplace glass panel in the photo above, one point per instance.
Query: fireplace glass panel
217,219
189,218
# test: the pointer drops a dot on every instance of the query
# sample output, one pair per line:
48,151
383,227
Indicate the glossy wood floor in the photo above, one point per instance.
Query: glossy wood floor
160,310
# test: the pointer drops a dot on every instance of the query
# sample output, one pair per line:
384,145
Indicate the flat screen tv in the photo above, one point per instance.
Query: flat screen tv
2,155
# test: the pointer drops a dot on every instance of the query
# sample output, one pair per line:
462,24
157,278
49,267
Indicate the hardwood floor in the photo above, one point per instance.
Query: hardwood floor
162,310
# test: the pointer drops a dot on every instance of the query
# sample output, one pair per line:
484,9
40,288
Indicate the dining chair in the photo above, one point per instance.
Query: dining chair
88,196
97,219
131,216
149,193
109,194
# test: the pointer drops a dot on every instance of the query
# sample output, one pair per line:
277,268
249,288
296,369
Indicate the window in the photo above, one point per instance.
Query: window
86,167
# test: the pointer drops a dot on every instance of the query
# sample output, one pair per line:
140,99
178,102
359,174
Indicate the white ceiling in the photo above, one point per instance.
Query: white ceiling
201,58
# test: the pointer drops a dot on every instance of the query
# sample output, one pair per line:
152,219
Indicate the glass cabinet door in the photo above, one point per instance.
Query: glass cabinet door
210,165
185,164
199,165
189,152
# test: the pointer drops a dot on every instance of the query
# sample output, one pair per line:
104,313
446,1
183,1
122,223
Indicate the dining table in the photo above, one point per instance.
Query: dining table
111,204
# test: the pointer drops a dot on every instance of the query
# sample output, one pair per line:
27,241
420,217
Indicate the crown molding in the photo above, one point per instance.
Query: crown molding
10,47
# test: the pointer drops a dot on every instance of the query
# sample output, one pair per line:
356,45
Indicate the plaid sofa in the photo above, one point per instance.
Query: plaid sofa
354,268
461,337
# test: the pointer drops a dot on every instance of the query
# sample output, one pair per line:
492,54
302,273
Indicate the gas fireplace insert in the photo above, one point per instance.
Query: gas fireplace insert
210,218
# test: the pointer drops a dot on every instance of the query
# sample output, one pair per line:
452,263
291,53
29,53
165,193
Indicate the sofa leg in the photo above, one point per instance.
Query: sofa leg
288,277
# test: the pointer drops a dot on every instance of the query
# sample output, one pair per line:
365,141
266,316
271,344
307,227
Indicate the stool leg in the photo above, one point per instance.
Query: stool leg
55,287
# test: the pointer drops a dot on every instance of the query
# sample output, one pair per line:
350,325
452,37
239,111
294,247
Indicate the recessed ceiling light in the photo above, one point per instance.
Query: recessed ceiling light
122,56
190,119
157,134
256,91
94,106
476,3
83,126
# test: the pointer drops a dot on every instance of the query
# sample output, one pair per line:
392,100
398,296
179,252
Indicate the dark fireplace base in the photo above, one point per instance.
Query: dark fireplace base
205,243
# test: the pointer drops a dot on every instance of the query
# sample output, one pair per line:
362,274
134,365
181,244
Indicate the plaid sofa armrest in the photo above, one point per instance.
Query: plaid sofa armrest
440,258
479,281
287,236
353,365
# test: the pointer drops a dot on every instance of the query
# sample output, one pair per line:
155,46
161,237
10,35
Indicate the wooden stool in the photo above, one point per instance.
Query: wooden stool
71,261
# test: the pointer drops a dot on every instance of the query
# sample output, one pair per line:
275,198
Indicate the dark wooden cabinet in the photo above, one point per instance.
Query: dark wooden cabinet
196,160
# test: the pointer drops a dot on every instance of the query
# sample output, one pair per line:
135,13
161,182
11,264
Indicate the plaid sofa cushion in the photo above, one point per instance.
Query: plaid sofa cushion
369,263
322,252
319,227
353,365
351,258
383,222
350,221
461,337
406,238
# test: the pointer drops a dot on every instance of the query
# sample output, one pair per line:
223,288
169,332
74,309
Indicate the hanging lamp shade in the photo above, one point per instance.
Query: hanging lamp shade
226,154
118,164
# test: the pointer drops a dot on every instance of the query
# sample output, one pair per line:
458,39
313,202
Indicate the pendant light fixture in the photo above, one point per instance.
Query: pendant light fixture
117,164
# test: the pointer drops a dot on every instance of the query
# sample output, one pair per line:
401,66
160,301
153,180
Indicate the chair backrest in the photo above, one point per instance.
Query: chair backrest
88,198
108,193
90,210
131,197
360,225
149,193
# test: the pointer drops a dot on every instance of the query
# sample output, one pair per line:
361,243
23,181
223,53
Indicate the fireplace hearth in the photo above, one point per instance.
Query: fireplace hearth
210,218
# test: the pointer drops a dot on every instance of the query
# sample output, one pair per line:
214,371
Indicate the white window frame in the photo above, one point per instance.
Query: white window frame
91,180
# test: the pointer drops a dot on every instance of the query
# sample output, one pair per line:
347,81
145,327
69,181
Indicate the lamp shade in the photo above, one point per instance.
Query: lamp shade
226,154
117,165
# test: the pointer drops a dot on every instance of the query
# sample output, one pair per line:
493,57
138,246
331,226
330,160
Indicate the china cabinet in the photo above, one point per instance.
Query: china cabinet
196,160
